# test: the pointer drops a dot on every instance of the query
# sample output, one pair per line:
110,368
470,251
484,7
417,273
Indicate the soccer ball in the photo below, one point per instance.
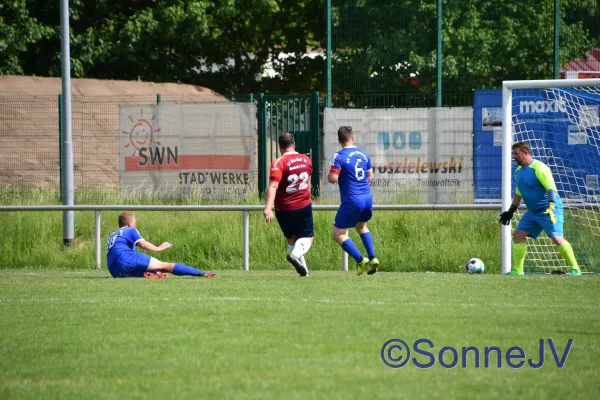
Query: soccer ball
475,266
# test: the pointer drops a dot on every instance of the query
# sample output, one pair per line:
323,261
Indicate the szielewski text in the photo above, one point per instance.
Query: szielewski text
423,353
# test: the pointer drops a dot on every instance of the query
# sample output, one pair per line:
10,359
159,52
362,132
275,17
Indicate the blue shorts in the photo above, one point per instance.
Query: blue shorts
351,213
129,264
535,223
297,223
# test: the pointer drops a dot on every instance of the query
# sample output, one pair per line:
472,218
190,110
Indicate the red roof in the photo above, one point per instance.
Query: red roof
589,63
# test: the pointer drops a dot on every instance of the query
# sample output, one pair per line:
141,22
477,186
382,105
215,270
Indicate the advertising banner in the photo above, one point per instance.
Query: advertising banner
418,155
562,127
184,149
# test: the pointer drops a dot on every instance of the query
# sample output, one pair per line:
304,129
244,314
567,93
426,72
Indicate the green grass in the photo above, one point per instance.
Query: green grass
271,335
441,241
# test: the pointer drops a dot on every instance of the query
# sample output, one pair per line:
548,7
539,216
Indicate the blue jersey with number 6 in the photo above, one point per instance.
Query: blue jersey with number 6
352,165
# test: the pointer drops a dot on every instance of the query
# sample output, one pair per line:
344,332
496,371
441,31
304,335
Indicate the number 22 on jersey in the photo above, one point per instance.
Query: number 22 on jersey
297,182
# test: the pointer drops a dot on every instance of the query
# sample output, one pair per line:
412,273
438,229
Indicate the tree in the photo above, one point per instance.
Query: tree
384,51
249,34
387,50
221,44
18,31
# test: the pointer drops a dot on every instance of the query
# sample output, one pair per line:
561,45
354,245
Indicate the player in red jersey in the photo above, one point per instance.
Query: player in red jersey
289,191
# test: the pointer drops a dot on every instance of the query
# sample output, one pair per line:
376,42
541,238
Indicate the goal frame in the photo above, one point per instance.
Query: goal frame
507,88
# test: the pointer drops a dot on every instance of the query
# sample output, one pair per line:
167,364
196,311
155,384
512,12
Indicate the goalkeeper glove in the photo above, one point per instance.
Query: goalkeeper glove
506,216
550,212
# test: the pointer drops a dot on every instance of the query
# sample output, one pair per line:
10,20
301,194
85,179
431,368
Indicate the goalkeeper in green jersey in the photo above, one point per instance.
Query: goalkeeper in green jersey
536,187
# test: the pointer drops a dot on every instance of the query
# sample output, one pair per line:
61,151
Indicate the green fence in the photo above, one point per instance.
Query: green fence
296,114
412,53
33,130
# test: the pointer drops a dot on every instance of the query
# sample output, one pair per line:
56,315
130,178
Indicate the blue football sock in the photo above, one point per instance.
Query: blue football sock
350,248
182,269
367,240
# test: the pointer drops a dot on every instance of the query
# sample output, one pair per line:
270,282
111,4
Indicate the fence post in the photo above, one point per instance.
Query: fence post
246,240
328,63
262,146
60,147
438,61
556,38
158,98
316,144
97,236
344,261
69,189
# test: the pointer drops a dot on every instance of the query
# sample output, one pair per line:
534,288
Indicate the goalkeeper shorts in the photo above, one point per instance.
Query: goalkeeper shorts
534,224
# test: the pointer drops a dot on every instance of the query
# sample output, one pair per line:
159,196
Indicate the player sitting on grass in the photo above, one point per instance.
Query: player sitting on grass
536,187
124,262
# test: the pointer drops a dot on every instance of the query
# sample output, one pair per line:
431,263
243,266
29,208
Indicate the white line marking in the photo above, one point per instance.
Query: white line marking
289,300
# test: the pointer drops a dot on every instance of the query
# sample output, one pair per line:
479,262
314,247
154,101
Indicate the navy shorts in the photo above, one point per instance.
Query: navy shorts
296,222
129,264
351,213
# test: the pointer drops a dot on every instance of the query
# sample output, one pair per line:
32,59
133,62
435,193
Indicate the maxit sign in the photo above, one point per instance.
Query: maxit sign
562,127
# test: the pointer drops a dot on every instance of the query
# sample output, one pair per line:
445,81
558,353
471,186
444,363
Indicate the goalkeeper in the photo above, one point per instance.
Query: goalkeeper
536,187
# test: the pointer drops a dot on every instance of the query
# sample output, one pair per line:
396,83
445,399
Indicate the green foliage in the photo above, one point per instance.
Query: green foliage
390,47
381,48
220,44
18,31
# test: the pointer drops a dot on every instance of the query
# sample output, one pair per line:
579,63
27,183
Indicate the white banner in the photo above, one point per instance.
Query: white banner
418,155
183,149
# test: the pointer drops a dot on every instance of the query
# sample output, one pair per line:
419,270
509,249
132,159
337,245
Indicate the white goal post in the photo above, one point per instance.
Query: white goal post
560,120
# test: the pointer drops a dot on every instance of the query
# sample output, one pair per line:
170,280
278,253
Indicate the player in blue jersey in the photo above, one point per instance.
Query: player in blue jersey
536,187
124,262
351,168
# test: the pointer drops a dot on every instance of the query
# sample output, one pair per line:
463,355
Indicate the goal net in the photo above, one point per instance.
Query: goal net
560,121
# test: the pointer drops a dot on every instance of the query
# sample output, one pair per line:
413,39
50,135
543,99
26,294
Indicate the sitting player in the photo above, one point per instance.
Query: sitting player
124,262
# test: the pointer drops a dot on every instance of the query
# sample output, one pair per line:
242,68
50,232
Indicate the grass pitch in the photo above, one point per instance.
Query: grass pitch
271,335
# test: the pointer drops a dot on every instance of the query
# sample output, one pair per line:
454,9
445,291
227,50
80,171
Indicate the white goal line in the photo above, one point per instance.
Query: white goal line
11,301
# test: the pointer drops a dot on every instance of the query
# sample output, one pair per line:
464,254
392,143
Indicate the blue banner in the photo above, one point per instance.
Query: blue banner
561,125
487,145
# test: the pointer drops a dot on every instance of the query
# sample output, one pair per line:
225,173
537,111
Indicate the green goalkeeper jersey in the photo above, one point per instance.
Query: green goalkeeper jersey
533,183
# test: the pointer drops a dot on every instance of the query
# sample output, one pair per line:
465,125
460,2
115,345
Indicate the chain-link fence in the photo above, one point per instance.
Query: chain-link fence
385,53
32,129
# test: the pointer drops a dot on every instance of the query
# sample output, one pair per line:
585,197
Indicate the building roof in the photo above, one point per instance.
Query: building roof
590,63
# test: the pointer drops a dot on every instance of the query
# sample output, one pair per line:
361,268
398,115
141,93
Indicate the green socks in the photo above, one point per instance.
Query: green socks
519,250
566,251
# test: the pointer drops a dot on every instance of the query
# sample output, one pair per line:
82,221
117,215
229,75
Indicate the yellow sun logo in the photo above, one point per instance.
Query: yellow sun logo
141,133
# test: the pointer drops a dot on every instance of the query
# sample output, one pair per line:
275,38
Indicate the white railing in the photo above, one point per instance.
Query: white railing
246,216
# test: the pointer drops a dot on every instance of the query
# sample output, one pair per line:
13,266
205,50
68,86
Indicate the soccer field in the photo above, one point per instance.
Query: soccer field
271,335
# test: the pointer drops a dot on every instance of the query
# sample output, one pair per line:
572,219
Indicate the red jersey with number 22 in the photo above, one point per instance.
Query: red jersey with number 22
292,170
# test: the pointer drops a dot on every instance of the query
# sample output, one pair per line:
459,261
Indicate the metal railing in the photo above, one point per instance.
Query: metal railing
246,217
